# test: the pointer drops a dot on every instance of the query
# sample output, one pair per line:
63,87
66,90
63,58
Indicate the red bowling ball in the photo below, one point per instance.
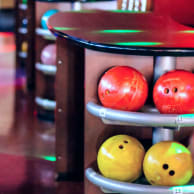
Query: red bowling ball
48,55
123,88
174,92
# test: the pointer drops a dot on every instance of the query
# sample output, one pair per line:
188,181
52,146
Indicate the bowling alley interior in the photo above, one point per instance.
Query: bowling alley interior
96,97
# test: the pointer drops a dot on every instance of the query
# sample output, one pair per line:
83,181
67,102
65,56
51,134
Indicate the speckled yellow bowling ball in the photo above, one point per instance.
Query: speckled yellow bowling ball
24,46
121,158
168,163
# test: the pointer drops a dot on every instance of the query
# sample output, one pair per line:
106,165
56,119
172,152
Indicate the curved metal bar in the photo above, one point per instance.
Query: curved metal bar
124,187
45,103
46,69
45,33
117,117
23,30
23,54
23,6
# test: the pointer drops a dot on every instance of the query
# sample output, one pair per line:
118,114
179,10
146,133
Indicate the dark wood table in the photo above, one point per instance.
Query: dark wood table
88,43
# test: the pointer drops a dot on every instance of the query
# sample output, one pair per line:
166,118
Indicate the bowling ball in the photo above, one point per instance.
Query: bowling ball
120,158
174,92
168,163
48,55
46,16
123,88
24,46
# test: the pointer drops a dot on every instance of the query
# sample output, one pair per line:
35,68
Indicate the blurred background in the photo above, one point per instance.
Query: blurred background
26,143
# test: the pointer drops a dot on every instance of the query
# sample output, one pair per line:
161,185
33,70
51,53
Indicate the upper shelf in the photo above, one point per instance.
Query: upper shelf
124,32
47,104
46,69
23,30
45,33
131,188
147,118
23,6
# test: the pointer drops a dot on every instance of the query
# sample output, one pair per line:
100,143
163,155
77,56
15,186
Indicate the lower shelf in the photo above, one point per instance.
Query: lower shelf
46,69
149,118
45,103
23,30
140,187
23,55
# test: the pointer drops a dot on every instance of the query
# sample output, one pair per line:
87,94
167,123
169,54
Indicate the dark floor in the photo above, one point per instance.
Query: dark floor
27,158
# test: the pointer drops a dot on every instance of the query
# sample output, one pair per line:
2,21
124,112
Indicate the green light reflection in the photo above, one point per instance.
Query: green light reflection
187,116
24,1
138,43
49,158
125,11
184,189
63,28
177,149
118,31
188,31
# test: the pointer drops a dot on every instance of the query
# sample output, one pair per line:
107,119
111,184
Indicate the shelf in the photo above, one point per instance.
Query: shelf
23,6
46,69
23,30
150,118
45,33
140,187
54,1
23,54
45,103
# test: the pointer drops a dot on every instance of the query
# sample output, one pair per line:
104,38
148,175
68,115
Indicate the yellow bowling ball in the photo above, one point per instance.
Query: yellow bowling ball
121,158
168,163
24,46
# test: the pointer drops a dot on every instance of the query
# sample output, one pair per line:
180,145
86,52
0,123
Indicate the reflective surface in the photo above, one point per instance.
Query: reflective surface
124,32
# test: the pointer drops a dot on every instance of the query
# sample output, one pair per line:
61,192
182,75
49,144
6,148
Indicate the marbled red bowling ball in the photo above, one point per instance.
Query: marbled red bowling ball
174,92
123,88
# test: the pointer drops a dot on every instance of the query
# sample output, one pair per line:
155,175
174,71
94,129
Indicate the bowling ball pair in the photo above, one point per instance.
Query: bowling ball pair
122,158
123,88
174,92
46,16
48,55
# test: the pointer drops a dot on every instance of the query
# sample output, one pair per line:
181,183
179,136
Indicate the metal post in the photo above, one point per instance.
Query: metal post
76,6
161,66
162,134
